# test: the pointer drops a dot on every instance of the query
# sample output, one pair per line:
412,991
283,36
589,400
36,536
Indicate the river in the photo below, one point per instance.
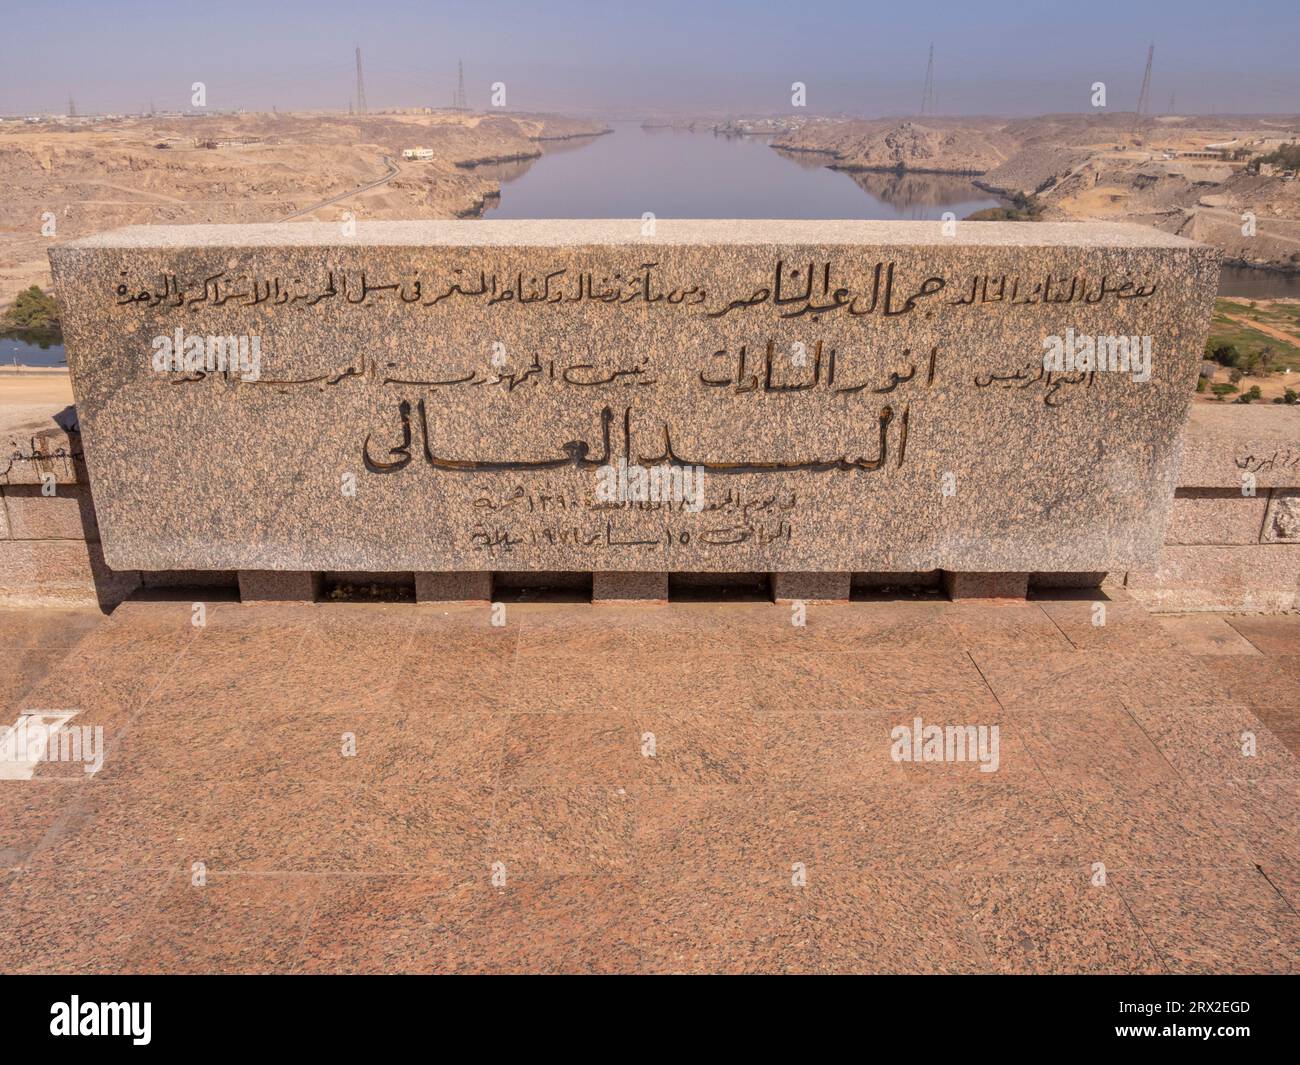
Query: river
680,174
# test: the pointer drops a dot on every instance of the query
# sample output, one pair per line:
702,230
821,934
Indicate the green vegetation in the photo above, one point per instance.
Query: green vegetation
1023,209
1289,396
32,309
1238,345
1221,390
33,316
1250,395
1287,156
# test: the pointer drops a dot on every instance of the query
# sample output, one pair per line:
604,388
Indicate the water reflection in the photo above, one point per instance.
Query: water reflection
677,173
916,190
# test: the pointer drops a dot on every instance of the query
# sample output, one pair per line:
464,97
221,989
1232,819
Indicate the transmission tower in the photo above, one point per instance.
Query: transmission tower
72,107
459,103
927,94
1144,97
361,85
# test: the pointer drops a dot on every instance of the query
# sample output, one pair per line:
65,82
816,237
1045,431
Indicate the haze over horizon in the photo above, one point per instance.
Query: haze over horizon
677,57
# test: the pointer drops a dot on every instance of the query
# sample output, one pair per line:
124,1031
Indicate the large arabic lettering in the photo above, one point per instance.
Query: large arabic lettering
816,294
451,396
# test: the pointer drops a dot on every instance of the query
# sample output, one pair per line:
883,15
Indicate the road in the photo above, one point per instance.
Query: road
393,171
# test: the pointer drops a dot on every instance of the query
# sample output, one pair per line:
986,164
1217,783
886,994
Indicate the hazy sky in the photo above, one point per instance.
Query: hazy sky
864,58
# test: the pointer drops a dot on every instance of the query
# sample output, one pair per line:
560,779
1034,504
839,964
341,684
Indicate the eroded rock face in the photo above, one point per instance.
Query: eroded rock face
792,397
1282,522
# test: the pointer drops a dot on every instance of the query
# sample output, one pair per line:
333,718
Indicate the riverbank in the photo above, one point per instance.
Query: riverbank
1159,171
251,168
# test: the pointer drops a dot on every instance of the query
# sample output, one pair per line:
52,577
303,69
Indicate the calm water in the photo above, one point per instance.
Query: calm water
1258,284
26,353
676,174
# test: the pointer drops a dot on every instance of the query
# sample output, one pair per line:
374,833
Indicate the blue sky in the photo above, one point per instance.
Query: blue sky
865,58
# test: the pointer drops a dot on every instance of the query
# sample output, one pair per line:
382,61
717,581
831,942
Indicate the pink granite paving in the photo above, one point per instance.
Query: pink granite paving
686,788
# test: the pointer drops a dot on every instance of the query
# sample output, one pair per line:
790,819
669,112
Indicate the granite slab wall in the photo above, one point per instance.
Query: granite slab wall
490,396
1219,553
1233,541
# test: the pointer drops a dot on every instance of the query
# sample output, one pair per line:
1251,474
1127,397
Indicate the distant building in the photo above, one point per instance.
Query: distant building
417,153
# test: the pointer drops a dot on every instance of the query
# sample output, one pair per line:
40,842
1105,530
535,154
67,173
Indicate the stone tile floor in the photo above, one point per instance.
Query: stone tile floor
684,788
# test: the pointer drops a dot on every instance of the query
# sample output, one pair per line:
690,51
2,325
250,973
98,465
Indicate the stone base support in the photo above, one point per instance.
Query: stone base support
453,586
278,586
618,586
830,587
986,585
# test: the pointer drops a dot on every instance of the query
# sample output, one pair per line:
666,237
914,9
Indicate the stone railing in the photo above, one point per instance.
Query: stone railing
1225,548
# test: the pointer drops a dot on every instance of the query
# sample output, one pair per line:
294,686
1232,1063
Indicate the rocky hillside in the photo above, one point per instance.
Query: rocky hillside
248,168
959,148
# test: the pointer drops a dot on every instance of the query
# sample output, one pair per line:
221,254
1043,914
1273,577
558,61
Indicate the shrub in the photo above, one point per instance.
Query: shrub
32,309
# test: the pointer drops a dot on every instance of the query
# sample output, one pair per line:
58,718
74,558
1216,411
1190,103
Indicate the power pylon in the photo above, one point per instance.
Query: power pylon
361,85
459,103
72,107
1144,97
927,94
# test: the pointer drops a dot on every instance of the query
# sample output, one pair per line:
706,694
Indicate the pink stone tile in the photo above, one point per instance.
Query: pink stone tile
21,669
726,746
854,628
573,924
1265,683
1214,920
227,924
1263,815
279,745
111,672
339,827
73,920
896,682
1205,743
1093,746
540,830
925,821
51,627
1055,921
1205,634
741,921
1167,826
1272,634
234,661
895,921
118,826
31,811
1060,682
631,682
1003,626
1103,623
427,680
576,749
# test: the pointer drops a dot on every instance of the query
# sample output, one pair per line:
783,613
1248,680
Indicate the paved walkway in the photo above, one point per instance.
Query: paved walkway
694,787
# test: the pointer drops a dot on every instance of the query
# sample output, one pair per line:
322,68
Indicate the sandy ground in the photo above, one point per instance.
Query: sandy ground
31,389
1109,165
81,179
